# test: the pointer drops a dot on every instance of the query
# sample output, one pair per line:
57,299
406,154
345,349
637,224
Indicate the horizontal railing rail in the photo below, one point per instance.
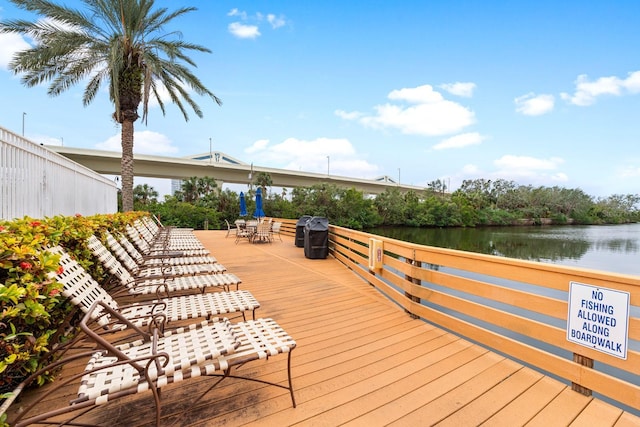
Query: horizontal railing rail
515,307
288,227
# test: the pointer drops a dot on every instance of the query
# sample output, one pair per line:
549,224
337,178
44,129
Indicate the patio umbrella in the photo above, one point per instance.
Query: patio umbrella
258,213
243,205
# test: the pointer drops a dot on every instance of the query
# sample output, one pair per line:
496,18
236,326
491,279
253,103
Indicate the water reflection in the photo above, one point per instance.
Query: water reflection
611,248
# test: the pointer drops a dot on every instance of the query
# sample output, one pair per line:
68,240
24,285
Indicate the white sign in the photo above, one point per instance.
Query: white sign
599,318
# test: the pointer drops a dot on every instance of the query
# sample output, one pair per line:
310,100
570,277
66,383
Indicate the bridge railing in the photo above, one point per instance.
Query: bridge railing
515,307
37,182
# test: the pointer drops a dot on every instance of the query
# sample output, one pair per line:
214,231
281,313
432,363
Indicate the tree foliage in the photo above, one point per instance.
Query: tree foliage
121,44
264,181
143,196
476,203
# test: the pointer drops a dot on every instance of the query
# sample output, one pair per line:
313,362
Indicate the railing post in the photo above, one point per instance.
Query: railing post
412,280
584,361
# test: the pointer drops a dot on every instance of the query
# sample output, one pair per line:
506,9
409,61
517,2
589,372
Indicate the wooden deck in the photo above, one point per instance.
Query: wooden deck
359,361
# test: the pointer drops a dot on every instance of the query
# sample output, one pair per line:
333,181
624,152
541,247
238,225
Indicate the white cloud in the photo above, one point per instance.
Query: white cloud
311,156
144,142
46,140
431,116
354,115
523,170
249,26
243,31
632,83
459,88
164,95
509,162
259,145
9,45
293,147
459,141
629,172
534,105
470,169
416,95
434,119
588,91
236,12
276,21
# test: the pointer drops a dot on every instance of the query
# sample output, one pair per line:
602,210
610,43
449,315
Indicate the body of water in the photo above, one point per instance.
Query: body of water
611,248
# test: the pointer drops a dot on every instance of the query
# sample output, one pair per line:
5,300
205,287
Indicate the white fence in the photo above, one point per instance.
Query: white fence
38,183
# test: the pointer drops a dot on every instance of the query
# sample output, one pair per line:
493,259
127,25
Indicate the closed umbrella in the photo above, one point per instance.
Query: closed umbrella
243,205
258,213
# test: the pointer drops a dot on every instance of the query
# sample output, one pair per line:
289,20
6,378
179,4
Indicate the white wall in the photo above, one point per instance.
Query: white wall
37,182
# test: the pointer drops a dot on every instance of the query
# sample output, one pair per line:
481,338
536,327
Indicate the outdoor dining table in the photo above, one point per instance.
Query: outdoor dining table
251,231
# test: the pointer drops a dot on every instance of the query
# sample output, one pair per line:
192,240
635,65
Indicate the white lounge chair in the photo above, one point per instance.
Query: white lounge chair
161,287
82,290
154,359
139,268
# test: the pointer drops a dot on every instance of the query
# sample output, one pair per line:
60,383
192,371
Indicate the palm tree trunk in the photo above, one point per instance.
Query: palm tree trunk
127,165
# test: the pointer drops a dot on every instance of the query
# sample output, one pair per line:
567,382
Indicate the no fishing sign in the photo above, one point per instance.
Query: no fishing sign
599,318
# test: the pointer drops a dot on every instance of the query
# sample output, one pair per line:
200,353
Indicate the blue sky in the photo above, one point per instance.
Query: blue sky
544,93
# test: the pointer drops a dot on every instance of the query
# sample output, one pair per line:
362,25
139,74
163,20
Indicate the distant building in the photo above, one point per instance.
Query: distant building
213,157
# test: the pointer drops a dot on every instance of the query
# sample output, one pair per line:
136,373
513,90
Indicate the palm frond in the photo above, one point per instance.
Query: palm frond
100,42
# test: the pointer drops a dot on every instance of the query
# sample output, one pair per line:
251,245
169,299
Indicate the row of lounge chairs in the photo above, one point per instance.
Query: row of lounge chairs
135,347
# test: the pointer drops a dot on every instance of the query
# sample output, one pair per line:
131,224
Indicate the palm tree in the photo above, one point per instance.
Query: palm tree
144,194
120,43
206,185
263,180
190,189
195,189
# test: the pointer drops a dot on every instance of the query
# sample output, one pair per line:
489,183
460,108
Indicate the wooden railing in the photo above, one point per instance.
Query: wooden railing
288,226
515,307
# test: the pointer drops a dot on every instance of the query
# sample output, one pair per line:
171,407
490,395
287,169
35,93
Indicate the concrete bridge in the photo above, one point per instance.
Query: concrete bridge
108,162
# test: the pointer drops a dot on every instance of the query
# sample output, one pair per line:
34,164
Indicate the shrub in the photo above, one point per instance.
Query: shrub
33,314
30,307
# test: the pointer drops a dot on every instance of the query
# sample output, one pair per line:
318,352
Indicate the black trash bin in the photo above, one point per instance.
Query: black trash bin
316,238
300,230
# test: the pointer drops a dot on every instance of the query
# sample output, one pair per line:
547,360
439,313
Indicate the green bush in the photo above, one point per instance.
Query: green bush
30,306
182,214
32,312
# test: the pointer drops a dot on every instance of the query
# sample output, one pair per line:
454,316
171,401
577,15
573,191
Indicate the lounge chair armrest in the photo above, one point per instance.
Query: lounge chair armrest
87,319
163,254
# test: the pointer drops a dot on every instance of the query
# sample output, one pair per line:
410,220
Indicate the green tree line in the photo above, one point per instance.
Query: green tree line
201,203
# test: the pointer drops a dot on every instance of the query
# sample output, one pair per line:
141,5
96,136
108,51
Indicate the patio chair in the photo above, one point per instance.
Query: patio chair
161,287
275,230
154,359
244,230
163,259
166,233
82,290
153,223
262,233
138,268
230,228
147,248
165,241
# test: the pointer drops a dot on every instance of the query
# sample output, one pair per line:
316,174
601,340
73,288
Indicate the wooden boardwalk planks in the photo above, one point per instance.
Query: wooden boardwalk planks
360,361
